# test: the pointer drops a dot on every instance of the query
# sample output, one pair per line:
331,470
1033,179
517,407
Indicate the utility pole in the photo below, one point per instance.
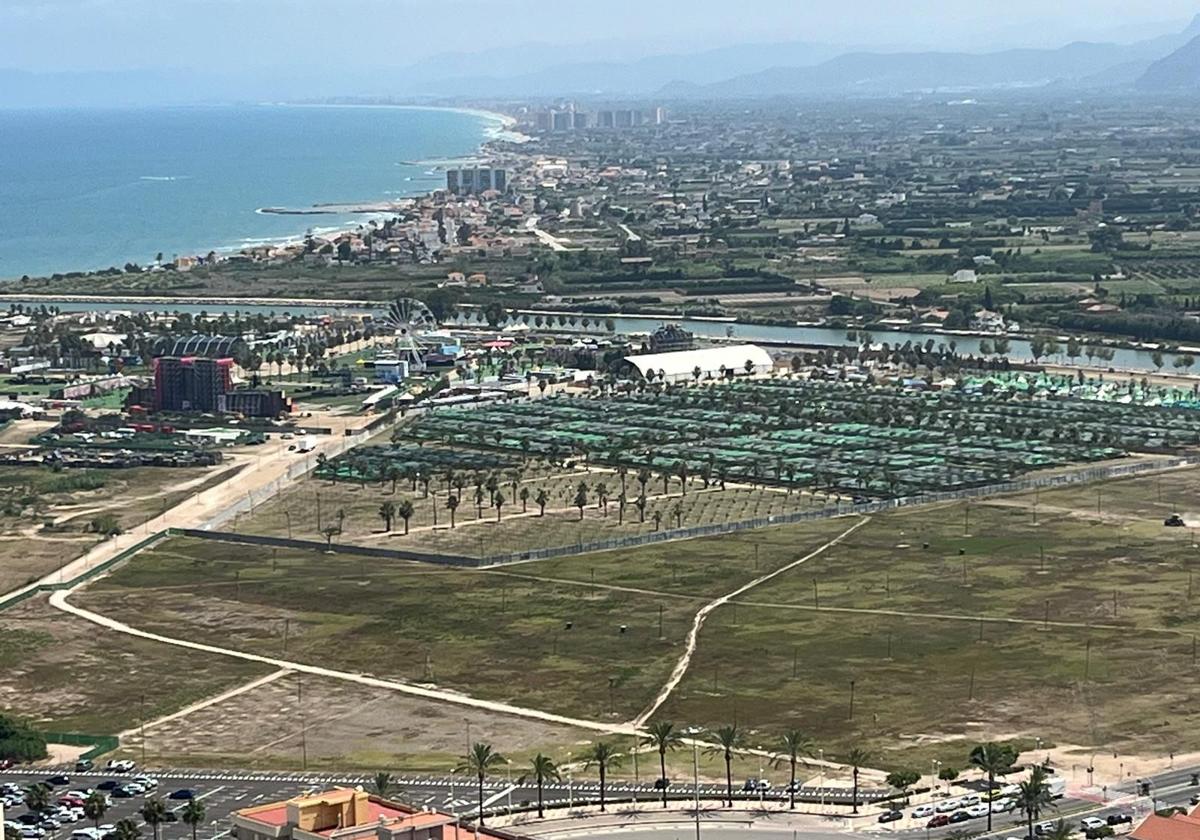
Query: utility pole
660,621
143,728
1046,619
851,699
795,659
816,595
1087,659
303,724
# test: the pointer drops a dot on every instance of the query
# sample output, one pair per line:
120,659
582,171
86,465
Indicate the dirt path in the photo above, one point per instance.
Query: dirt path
204,704
59,601
698,622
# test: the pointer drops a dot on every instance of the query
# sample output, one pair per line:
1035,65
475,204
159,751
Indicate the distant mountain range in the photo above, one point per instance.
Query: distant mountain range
619,71
1079,65
1178,71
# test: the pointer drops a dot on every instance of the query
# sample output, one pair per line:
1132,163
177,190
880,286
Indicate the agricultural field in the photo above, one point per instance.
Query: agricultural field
1041,614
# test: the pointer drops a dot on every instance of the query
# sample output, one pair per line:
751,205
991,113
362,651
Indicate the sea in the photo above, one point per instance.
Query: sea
88,189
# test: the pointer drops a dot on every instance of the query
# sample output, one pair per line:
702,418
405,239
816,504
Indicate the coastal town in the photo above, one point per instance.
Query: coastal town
677,462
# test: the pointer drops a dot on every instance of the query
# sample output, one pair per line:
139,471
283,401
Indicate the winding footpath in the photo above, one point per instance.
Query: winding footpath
698,622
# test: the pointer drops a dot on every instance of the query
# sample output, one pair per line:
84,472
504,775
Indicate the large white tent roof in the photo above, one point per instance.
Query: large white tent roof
709,360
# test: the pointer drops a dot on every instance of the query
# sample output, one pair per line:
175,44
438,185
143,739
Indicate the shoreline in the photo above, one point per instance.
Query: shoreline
501,125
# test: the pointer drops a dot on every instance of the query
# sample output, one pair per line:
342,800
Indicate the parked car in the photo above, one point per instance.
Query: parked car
108,784
58,780
922,811
891,816
969,799
1120,819
959,816
1092,823
662,783
83,765
980,810
31,832
947,806
1044,827
182,793
938,821
119,766
123,793
1003,806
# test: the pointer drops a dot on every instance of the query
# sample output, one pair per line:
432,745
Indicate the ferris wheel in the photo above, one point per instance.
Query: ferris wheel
410,320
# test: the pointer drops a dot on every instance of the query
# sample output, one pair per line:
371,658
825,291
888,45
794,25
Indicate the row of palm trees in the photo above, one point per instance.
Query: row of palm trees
1033,796
96,805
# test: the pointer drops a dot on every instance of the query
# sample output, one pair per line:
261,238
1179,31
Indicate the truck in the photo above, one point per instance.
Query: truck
306,444
1057,787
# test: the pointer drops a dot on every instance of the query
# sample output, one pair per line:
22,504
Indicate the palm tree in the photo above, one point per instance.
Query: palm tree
795,744
1033,795
498,501
192,815
524,497
993,758
479,761
543,498
37,797
452,505
383,784
604,756
154,813
405,511
127,829
542,769
387,512
663,736
856,759
95,807
581,498
729,741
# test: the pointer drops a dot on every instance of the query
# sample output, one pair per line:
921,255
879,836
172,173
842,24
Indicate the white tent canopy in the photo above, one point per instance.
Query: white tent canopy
681,365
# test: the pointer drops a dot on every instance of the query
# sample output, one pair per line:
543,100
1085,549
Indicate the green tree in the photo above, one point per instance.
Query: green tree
405,511
581,498
19,741
37,797
95,807
192,815
541,500
452,505
106,524
479,761
1033,795
127,829
795,744
993,758
383,784
154,813
605,757
902,780
856,759
729,741
387,512
663,736
498,501
542,769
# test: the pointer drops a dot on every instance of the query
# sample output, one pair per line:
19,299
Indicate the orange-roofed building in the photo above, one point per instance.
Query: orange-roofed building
350,814
1175,827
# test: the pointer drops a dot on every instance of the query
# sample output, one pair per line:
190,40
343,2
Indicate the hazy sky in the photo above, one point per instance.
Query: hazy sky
234,36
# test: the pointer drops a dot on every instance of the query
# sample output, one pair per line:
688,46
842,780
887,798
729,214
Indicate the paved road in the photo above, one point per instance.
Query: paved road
223,792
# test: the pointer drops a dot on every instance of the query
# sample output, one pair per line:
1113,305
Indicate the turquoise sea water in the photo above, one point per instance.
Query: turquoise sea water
87,189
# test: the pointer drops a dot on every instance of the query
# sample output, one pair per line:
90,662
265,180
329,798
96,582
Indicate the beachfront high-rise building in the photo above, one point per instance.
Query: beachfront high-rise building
472,180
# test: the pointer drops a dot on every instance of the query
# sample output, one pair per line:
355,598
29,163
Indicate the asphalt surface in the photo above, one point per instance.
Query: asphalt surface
224,792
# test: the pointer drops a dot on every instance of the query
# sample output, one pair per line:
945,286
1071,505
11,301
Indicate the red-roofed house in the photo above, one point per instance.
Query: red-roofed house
1175,827
350,814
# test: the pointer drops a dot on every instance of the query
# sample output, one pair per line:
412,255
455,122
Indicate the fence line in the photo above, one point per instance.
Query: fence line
335,548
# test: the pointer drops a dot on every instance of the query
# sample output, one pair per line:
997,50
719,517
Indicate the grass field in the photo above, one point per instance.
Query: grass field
945,618
66,675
